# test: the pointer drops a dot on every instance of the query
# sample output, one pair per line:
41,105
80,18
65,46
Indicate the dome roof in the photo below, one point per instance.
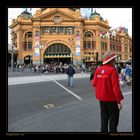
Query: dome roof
26,14
93,15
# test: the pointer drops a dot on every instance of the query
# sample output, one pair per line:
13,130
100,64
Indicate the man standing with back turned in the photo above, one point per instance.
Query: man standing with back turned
106,83
70,72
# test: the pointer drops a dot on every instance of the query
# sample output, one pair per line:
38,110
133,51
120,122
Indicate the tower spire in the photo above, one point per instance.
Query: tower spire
91,10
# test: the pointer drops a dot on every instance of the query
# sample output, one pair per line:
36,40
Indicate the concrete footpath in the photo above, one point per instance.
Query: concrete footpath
42,78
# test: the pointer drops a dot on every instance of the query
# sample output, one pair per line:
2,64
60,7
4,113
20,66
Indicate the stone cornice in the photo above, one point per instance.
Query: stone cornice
20,23
54,12
97,23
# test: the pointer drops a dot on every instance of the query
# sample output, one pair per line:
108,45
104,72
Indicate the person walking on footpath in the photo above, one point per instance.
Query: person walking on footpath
93,69
128,73
70,72
108,92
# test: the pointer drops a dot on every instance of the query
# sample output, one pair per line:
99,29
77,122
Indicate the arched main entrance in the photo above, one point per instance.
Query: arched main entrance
57,53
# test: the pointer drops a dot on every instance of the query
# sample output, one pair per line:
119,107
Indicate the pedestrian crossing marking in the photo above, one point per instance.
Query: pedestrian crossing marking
72,93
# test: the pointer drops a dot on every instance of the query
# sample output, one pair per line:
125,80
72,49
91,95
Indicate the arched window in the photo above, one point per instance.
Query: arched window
103,46
89,41
119,48
89,45
88,34
126,49
111,47
14,38
28,41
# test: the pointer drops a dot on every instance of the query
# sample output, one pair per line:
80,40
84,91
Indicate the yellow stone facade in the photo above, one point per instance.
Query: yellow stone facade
60,26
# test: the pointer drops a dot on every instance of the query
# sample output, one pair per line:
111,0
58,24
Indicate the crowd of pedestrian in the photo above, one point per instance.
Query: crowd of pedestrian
125,74
45,68
124,71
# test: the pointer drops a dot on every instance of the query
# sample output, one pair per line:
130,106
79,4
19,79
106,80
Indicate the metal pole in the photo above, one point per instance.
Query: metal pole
95,58
71,48
40,56
27,40
12,63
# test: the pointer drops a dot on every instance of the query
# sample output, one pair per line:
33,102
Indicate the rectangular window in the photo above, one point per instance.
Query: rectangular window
120,48
69,30
46,30
103,45
53,30
116,48
30,45
42,31
61,30
111,48
126,57
89,45
94,42
126,50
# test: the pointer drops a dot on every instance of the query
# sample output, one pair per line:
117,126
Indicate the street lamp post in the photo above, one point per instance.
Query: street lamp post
12,61
96,57
13,49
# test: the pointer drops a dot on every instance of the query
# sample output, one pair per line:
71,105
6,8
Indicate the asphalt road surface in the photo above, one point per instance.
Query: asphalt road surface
52,106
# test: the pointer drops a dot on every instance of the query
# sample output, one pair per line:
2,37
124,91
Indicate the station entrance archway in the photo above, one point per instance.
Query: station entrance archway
57,53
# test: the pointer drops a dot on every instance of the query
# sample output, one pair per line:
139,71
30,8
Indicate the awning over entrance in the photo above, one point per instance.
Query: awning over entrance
57,56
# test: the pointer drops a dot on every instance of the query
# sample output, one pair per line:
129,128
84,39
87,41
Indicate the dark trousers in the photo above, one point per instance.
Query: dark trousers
109,115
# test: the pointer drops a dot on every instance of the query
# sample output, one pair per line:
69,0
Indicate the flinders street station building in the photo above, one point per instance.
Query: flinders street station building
64,35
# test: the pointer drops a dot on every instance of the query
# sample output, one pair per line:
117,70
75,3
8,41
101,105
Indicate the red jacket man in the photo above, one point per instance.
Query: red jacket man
107,88
107,78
